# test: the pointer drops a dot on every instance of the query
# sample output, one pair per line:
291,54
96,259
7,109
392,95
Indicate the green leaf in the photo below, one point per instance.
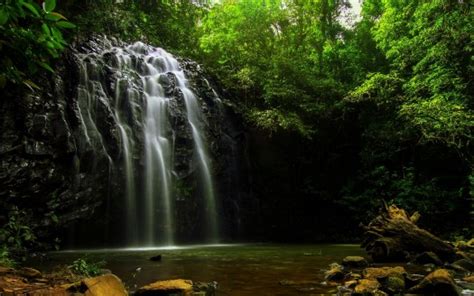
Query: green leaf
57,34
65,25
3,17
31,8
49,5
47,67
46,29
54,16
31,85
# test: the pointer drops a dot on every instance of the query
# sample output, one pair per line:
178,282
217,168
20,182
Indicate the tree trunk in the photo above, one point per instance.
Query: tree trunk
393,236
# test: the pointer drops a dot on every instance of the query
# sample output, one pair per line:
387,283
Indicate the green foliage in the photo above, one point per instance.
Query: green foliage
405,188
5,258
83,267
16,234
422,102
170,24
31,36
284,60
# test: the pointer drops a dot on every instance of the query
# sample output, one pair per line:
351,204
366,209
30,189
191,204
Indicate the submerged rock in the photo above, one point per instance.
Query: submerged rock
355,262
156,258
205,289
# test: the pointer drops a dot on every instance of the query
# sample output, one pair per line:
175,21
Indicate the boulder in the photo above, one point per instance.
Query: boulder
428,258
393,284
178,287
104,285
383,272
335,273
355,262
366,287
439,282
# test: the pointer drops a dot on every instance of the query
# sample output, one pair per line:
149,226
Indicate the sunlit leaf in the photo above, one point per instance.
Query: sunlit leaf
54,16
49,5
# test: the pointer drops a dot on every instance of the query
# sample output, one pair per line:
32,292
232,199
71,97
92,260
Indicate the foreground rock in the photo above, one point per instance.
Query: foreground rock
29,281
439,282
171,287
335,273
178,287
394,236
105,285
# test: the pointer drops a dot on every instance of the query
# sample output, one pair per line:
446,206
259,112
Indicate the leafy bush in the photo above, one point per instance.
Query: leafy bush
82,267
16,234
5,258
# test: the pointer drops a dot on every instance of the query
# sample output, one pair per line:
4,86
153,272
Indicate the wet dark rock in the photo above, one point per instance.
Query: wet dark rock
393,284
335,273
205,289
413,279
428,258
156,258
51,163
466,264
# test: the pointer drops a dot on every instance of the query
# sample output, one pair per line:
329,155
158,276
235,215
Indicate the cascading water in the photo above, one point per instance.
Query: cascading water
131,82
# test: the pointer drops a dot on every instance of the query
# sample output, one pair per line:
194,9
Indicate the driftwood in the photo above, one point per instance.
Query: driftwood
394,236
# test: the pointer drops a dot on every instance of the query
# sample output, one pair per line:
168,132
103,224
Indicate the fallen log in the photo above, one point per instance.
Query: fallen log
394,236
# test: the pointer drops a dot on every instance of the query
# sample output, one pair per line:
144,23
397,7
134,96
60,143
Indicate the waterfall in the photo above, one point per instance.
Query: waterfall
133,83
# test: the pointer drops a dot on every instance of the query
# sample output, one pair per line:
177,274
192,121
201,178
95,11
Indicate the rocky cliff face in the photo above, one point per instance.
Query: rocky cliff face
57,171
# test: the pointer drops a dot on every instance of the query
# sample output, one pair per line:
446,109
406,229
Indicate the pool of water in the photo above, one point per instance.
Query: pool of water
240,270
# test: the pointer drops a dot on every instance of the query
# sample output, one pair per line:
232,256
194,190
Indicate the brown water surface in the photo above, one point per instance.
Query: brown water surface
240,270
